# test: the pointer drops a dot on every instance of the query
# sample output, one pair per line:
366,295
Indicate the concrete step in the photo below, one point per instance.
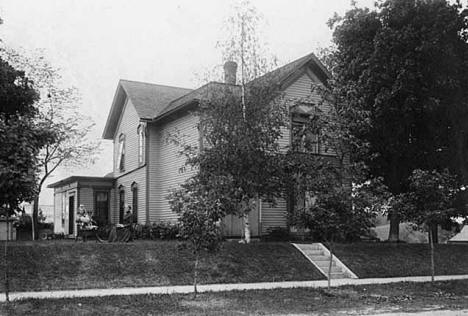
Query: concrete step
318,258
325,264
334,270
317,254
314,252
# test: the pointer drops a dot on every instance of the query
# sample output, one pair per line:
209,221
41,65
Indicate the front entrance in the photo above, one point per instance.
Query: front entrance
101,202
71,215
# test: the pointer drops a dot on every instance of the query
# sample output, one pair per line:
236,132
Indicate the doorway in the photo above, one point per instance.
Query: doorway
71,215
101,203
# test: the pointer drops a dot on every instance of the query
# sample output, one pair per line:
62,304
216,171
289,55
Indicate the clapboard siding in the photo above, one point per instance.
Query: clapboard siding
58,212
298,90
87,198
125,182
165,173
274,215
128,126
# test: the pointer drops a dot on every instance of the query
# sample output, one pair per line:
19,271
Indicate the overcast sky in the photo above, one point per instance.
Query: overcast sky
97,42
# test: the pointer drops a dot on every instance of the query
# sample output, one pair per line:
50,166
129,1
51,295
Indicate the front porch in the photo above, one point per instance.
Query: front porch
94,193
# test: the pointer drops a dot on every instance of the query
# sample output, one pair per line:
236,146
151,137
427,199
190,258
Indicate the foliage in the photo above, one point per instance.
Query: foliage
57,108
21,140
199,218
243,43
430,198
241,154
341,213
278,234
199,215
400,71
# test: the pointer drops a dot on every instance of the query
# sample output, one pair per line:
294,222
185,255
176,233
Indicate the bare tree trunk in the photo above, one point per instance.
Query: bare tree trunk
195,275
394,232
35,217
7,281
431,242
434,231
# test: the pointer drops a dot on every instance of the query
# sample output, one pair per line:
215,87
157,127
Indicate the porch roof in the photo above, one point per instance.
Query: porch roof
72,179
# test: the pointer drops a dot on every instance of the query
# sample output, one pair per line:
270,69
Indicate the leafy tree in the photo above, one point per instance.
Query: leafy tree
58,111
400,71
240,146
430,202
244,46
21,138
199,218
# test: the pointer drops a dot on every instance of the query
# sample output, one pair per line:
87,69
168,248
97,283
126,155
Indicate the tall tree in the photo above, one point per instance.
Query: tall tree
58,111
401,69
241,145
21,138
244,46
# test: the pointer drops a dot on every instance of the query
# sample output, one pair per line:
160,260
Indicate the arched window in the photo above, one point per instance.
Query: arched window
141,143
121,203
121,153
135,201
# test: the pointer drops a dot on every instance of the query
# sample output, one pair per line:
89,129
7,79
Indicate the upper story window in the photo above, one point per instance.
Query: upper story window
141,142
121,153
304,137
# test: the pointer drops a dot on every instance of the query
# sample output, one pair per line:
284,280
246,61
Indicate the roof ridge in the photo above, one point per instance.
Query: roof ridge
299,61
155,84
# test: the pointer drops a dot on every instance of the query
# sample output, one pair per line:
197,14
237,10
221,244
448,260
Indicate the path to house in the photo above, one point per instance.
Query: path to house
184,289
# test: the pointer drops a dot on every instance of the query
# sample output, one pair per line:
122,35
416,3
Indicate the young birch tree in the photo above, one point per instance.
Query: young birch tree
244,46
58,108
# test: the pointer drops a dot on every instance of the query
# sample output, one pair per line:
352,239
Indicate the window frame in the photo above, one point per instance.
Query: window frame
121,154
141,132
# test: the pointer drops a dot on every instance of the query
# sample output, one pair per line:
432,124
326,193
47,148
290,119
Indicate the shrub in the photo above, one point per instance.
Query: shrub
278,234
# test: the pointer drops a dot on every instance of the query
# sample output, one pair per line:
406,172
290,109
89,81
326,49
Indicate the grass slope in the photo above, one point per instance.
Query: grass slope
374,260
356,300
69,265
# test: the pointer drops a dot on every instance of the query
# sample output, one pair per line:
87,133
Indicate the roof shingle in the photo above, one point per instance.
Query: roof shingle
150,99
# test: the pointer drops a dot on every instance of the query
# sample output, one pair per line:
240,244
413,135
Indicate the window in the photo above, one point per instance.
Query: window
304,138
135,202
141,143
121,203
121,153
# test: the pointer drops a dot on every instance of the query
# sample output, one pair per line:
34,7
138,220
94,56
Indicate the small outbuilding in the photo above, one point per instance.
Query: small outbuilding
95,193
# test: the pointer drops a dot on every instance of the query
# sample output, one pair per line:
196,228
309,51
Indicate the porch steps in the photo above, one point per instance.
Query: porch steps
319,256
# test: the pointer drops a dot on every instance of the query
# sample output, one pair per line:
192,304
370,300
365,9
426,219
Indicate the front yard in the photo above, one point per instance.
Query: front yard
381,260
357,300
55,265
68,265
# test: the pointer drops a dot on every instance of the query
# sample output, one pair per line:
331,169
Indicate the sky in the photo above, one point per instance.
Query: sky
95,43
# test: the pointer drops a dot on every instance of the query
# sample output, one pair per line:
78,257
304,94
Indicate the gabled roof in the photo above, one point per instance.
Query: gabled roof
153,101
147,98
283,73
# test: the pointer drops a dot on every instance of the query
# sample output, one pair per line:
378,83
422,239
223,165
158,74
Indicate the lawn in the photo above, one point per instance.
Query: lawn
361,300
69,265
374,260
